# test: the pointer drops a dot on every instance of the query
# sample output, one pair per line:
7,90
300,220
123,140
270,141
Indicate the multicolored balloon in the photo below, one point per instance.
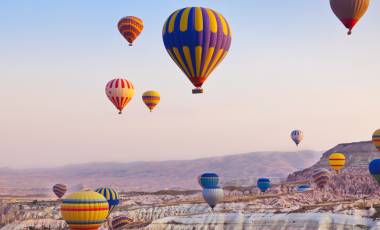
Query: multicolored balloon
376,139
297,136
209,180
197,39
59,190
374,169
213,196
130,27
321,177
111,196
337,161
84,210
120,92
349,12
119,222
263,184
151,98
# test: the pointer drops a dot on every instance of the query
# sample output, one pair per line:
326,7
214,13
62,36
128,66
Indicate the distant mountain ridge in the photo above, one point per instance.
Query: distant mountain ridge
151,176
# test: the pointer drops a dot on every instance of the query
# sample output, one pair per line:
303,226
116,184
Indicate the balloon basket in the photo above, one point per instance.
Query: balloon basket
197,90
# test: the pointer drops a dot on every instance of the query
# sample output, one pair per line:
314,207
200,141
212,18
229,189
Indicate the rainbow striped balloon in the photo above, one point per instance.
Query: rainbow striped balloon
376,139
111,196
337,161
130,27
151,98
84,210
197,39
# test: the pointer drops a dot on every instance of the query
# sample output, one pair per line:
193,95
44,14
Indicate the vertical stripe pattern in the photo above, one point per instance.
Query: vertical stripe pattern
84,210
197,39
349,12
111,196
130,27
151,98
120,91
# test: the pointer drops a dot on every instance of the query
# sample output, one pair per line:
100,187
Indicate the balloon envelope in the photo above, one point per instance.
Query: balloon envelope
59,190
337,161
376,139
84,210
297,136
349,12
111,196
130,28
263,184
119,222
197,39
213,196
120,92
374,169
151,99
209,180
303,187
321,177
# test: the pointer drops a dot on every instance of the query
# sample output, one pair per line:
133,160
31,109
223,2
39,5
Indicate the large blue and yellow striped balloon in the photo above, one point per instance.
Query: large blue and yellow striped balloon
111,196
197,39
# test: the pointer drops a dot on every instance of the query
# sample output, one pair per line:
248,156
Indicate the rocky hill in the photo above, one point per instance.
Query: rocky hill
358,155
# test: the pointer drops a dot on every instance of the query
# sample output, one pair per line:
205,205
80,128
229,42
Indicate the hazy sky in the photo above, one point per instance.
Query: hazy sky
290,65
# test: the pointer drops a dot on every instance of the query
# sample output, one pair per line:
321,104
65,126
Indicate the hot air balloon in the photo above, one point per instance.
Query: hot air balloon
120,92
374,169
303,187
84,210
119,222
337,161
59,190
213,196
263,184
130,27
197,39
297,136
349,12
321,177
208,180
111,196
151,99
376,139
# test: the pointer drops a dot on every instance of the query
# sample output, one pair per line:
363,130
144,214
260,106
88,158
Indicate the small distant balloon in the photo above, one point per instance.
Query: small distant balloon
208,180
349,12
111,196
84,210
130,28
337,161
263,184
321,177
297,136
59,190
151,99
303,187
213,196
376,139
120,92
119,222
374,169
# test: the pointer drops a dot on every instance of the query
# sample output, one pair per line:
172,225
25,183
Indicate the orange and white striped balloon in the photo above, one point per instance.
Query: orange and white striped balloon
120,91
130,27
